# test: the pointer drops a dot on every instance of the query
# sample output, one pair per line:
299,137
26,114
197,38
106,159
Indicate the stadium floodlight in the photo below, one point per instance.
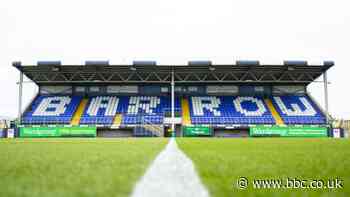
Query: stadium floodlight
49,63
211,68
200,63
295,63
144,63
96,63
132,68
247,63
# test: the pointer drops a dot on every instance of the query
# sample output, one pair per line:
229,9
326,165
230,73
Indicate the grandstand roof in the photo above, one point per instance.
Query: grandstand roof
101,72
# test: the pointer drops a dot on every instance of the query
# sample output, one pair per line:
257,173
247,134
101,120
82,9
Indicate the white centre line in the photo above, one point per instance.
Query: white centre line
171,174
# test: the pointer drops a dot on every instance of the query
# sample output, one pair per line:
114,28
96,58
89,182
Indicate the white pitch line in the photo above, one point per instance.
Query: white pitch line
171,174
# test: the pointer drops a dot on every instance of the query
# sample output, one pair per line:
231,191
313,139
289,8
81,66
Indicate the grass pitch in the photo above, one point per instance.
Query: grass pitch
74,167
220,162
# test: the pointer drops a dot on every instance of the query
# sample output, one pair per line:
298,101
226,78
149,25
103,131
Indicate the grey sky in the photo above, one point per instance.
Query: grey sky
172,31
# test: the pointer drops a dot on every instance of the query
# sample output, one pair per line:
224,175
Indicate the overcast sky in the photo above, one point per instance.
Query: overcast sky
174,31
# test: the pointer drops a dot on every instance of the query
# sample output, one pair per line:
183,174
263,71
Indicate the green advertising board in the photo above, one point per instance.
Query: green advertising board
39,132
288,131
192,131
78,131
57,131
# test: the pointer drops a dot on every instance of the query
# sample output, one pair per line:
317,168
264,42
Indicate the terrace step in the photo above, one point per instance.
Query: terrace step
77,115
117,120
274,112
186,117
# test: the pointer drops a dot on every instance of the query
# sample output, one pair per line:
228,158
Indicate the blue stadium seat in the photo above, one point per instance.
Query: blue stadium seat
100,110
51,110
298,110
229,110
135,109
147,109
216,110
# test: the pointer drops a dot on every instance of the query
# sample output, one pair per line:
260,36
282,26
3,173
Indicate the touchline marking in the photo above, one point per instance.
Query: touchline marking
171,174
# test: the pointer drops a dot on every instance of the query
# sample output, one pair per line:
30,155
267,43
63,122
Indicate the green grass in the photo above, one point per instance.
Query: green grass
74,167
220,162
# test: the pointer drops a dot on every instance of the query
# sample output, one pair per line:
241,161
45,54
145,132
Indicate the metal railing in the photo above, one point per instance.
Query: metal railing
156,129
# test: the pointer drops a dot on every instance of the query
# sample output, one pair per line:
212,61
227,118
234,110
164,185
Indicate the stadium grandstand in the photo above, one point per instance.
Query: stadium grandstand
245,98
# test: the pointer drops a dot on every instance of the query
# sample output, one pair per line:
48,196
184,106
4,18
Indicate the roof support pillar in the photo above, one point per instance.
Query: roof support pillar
325,84
173,103
20,93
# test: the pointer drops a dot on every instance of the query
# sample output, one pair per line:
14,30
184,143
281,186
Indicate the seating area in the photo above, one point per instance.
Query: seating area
51,110
133,110
147,109
100,110
298,110
229,110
